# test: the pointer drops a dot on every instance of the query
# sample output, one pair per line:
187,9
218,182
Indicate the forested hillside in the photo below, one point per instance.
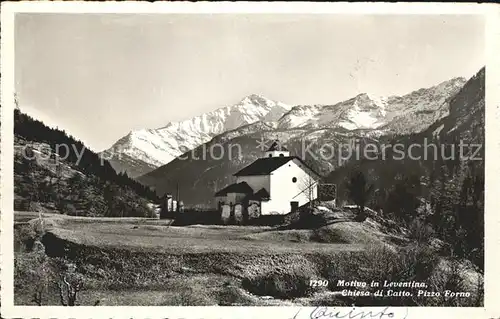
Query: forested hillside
77,182
438,190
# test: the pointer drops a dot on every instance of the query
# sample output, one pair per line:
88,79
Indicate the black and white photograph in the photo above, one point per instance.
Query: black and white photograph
248,159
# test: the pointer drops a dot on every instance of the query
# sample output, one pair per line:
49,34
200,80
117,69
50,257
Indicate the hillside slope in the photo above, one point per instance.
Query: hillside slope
439,184
74,181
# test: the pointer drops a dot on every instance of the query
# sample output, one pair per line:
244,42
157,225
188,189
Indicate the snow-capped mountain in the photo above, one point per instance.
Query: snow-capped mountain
143,150
360,112
409,113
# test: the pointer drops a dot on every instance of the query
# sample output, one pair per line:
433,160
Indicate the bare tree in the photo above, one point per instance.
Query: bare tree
38,297
40,265
68,290
308,186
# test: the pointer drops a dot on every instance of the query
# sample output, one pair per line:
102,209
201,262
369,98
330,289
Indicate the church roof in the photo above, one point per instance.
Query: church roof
241,188
277,146
266,165
261,194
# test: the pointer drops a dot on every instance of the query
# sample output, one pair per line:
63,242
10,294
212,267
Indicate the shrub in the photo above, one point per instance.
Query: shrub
420,231
330,205
68,209
286,285
328,235
186,295
24,238
379,263
231,295
304,219
32,206
38,226
144,210
315,220
32,275
291,218
455,275
187,298
453,282
423,260
410,263
375,263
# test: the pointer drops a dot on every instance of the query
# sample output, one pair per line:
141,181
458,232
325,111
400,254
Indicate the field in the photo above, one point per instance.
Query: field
137,261
192,239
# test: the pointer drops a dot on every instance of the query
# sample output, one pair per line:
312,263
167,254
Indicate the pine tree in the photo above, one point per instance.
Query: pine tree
359,192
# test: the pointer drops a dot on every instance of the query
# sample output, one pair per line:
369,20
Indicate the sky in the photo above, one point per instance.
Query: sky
99,76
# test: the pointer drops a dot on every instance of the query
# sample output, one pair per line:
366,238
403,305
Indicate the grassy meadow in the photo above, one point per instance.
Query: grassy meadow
138,261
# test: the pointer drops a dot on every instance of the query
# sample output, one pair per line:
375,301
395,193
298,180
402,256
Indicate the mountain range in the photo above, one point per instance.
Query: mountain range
304,128
142,151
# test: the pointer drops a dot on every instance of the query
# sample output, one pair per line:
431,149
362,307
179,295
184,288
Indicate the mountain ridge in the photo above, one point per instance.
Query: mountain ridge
368,111
214,173
141,151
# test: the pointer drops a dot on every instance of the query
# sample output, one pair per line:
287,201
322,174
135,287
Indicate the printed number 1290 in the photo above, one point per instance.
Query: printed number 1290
318,283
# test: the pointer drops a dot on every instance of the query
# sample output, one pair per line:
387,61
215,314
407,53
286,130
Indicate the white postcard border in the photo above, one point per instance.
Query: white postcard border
492,187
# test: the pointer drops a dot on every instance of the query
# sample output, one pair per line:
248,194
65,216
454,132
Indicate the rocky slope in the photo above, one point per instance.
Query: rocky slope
465,119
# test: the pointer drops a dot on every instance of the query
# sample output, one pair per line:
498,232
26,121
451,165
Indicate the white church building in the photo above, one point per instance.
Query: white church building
271,185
